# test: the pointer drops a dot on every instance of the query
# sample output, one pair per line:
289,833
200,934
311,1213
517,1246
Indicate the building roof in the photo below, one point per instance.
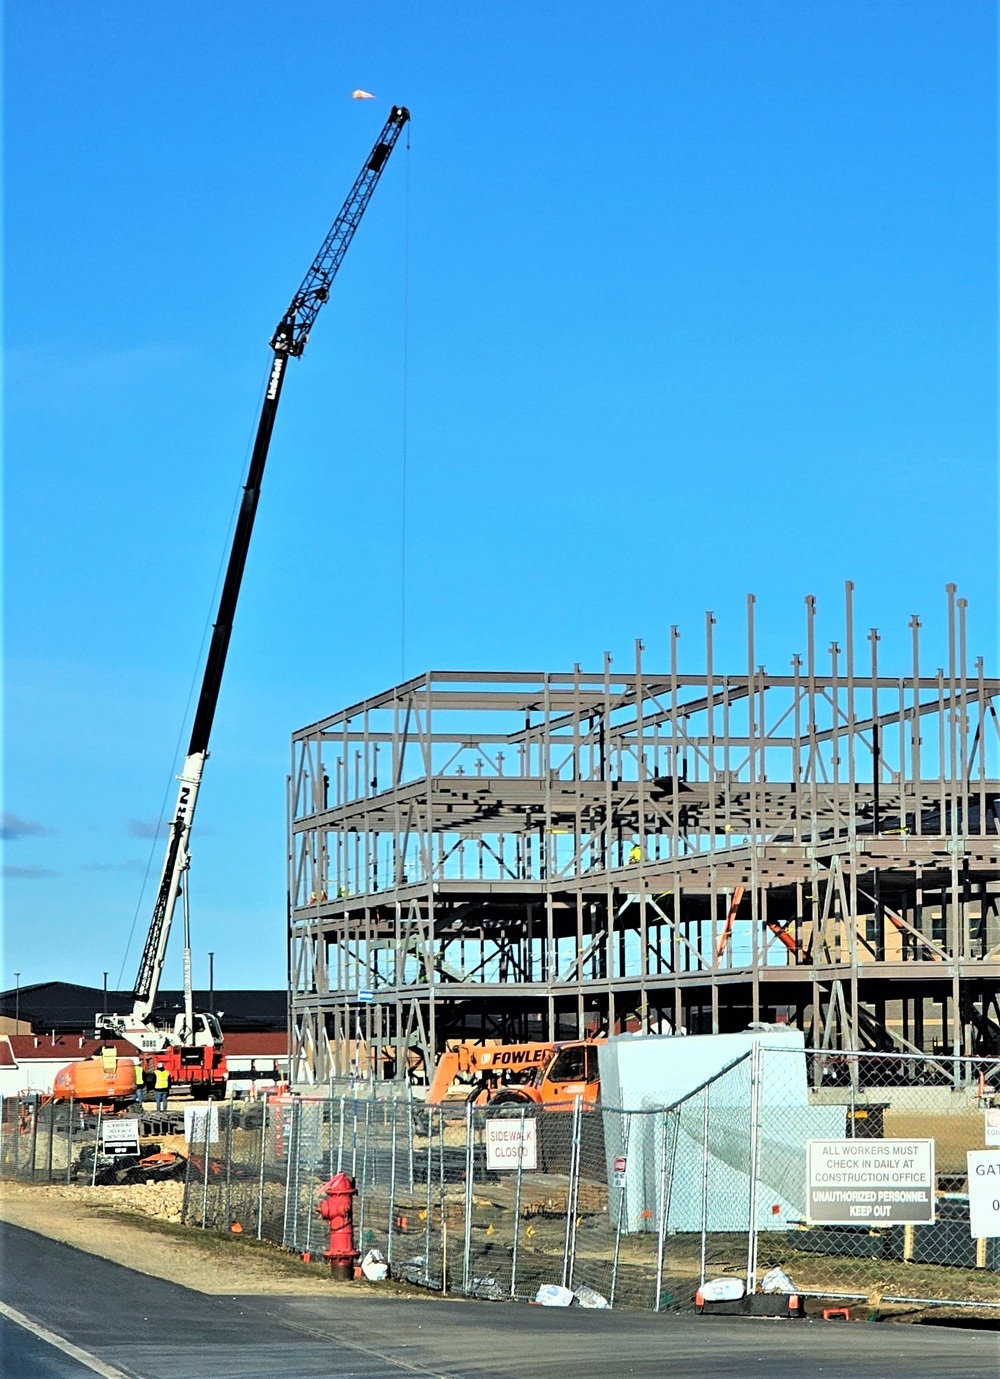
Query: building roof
7,1059
69,1007
29,1047
252,1045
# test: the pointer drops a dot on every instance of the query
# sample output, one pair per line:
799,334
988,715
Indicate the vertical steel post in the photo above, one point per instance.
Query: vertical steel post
340,1135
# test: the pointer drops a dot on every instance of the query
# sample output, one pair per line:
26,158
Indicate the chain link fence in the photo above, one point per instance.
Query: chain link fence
637,1207
625,1208
45,1141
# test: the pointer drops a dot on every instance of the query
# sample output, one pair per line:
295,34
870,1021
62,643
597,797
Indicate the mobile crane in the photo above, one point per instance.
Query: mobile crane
192,1048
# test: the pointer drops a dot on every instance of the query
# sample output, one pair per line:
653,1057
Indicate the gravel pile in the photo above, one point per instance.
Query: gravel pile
162,1201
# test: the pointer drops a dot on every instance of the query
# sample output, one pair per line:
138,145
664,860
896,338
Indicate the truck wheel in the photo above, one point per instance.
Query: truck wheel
509,1103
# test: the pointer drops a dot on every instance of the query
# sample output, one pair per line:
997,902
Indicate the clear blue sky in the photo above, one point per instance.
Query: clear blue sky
703,300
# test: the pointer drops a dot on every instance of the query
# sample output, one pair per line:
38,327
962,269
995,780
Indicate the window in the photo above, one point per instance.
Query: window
569,1065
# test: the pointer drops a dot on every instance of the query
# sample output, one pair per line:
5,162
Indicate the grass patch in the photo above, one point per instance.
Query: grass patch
232,1247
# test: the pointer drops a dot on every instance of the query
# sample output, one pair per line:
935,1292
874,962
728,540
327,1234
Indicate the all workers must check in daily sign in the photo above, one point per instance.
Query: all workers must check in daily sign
869,1182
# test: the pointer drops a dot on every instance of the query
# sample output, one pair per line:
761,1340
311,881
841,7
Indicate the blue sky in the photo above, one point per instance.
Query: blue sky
702,300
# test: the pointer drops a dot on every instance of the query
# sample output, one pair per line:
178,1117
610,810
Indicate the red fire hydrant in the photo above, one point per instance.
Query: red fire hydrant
337,1207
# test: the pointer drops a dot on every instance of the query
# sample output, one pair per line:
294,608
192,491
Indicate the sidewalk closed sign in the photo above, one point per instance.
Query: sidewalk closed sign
984,1192
120,1138
510,1143
869,1182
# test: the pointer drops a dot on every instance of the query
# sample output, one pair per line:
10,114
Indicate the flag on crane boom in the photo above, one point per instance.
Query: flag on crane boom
360,95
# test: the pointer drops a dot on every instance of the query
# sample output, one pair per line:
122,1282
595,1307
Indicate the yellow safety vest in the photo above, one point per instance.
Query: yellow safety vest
162,1079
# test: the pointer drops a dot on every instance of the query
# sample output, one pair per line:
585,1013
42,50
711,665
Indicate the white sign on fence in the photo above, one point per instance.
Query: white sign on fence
199,1121
869,1182
509,1143
991,1117
984,1192
119,1138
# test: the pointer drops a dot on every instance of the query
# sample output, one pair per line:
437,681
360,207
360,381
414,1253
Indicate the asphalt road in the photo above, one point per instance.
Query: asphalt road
149,1329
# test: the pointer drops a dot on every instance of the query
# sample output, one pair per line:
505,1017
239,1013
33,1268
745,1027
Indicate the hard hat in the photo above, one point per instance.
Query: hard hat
159,1065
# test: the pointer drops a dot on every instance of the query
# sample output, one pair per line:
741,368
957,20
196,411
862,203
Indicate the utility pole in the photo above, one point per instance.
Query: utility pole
17,999
104,1008
211,983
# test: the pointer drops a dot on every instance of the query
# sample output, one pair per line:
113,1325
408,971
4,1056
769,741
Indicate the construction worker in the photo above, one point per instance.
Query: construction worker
161,1085
140,1084
635,855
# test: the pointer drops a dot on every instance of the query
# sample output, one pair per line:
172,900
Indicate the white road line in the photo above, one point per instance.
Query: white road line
84,1357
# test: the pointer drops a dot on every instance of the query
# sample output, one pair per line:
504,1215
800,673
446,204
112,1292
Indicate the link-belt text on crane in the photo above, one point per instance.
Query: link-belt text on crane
275,379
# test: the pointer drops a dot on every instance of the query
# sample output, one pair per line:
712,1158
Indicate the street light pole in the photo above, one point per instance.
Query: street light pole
104,1010
211,983
17,999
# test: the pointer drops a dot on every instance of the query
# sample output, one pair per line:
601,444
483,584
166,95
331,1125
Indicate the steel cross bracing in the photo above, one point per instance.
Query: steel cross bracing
536,855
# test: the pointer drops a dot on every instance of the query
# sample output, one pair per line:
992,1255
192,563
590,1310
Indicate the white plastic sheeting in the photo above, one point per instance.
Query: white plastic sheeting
697,1158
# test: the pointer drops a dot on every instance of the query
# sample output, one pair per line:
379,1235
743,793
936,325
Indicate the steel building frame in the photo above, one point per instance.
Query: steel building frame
542,855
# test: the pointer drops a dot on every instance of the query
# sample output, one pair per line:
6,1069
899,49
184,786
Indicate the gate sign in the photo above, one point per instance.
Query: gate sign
510,1143
120,1138
869,1182
984,1192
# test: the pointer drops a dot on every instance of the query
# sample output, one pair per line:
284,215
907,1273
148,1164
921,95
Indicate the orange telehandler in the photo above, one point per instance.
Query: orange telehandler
514,1074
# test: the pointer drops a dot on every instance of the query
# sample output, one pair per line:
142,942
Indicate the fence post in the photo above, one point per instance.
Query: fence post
392,1185
340,1136
704,1189
229,1165
517,1207
666,1193
69,1142
16,1132
208,1131
260,1180
469,1169
441,1199
364,1180
622,1199
754,1135
34,1135
97,1141
409,1130
427,1203
572,1193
